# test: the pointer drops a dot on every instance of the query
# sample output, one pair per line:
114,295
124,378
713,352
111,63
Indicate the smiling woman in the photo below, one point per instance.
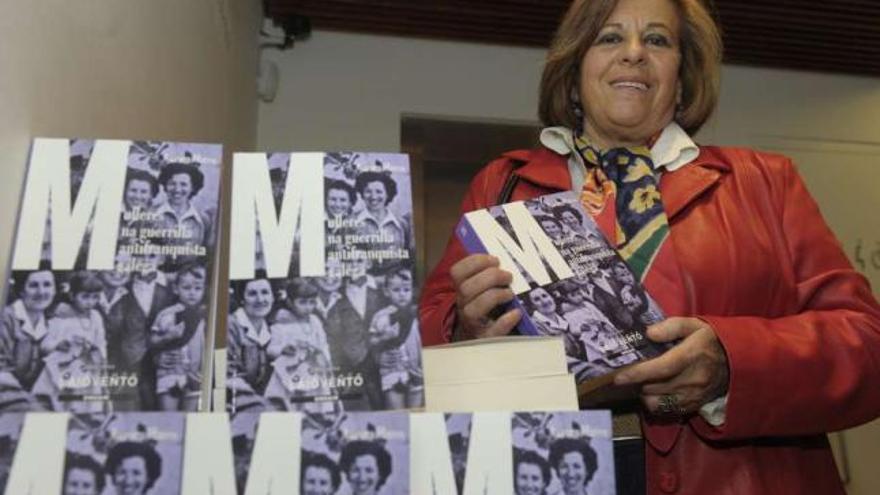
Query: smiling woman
761,296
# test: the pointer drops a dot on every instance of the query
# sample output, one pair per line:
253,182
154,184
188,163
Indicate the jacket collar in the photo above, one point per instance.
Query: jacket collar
680,188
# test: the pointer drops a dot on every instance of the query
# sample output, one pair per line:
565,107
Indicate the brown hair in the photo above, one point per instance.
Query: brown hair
699,73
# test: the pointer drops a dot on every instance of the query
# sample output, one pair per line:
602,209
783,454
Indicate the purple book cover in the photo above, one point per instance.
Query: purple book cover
124,453
355,453
108,296
568,281
323,299
10,432
458,431
563,452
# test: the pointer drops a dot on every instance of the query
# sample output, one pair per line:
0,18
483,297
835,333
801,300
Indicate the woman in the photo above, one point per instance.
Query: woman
182,182
366,465
133,467
779,304
24,329
83,475
248,340
318,474
531,473
575,463
378,190
141,189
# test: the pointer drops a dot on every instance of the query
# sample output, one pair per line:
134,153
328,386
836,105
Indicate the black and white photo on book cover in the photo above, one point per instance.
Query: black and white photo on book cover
356,454
10,433
568,280
564,453
322,292
108,297
458,430
123,454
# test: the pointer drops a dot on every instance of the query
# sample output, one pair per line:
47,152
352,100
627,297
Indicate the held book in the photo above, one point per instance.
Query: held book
323,297
389,453
108,304
568,282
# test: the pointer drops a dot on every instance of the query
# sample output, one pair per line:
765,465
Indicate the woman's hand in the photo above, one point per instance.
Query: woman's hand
480,286
687,376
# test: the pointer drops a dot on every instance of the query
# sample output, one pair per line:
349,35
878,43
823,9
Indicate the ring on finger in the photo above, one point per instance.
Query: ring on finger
668,404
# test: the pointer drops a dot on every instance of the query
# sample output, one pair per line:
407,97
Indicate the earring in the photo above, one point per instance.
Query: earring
578,111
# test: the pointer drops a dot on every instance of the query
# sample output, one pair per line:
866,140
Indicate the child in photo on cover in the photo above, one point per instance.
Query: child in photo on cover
300,354
75,348
396,344
178,335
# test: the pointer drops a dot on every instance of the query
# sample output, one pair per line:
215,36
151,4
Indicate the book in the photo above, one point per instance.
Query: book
552,392
568,282
492,359
323,298
513,453
108,301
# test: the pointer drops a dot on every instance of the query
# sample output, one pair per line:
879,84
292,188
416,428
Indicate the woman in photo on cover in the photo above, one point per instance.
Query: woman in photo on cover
531,473
83,475
754,283
378,190
141,188
319,475
366,465
24,328
575,462
75,348
248,338
181,182
339,199
133,468
299,354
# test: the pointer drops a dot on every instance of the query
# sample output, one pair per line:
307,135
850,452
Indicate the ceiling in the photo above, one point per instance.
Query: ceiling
841,36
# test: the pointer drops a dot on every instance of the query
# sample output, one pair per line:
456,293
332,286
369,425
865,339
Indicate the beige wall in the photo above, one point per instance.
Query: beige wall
156,69
347,91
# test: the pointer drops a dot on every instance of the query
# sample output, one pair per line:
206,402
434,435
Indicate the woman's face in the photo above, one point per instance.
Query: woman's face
317,481
529,479
570,219
178,188
572,473
552,229
542,301
338,202
375,195
629,76
80,482
138,194
623,274
258,298
363,476
130,477
38,291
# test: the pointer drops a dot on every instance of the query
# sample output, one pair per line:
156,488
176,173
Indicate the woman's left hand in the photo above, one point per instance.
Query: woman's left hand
687,376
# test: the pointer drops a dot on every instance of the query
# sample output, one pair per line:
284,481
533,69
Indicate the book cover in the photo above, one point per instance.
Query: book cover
136,453
568,281
108,300
322,292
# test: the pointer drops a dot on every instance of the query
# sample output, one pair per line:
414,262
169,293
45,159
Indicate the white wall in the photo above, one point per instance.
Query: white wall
156,69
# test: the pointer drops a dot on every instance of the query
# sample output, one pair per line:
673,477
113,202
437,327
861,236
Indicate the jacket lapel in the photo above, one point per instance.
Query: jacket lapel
685,185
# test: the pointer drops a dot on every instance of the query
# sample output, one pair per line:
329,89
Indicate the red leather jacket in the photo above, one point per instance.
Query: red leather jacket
800,327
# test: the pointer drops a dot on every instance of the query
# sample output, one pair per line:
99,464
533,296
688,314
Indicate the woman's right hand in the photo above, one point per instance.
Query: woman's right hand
480,286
